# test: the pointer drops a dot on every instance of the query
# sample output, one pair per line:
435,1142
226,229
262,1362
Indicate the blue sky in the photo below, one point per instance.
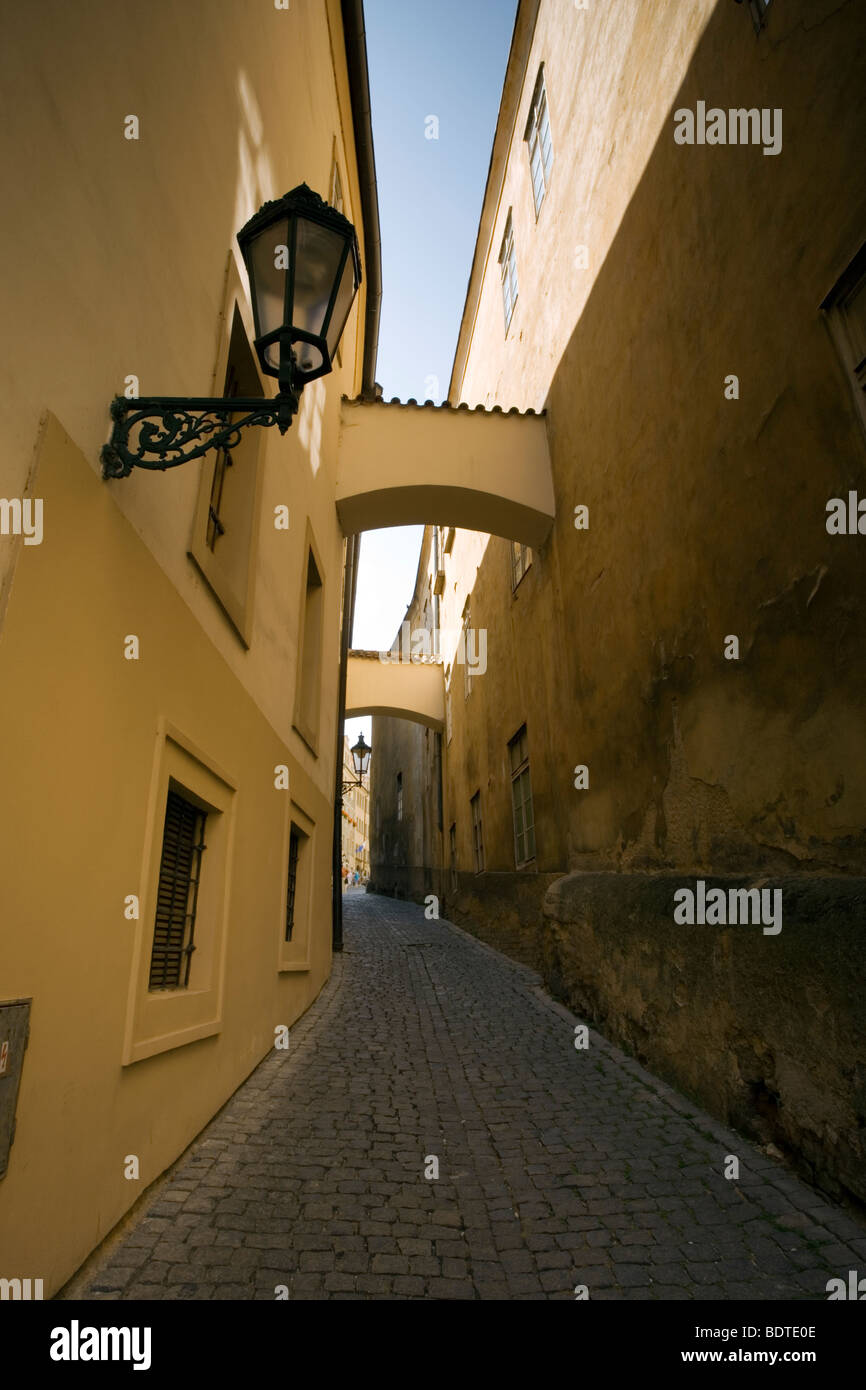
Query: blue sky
427,58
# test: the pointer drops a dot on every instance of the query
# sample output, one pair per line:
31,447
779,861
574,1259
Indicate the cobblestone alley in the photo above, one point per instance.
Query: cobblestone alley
557,1167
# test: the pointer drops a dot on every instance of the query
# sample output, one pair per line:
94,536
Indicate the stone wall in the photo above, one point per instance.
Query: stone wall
767,1031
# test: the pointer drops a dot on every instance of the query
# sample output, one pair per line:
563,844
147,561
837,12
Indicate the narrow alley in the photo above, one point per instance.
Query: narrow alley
562,1172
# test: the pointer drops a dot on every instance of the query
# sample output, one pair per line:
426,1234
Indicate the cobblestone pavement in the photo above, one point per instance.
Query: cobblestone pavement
557,1167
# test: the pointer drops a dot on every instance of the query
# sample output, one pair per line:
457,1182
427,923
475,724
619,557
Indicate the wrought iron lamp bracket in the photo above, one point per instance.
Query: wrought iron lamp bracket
159,432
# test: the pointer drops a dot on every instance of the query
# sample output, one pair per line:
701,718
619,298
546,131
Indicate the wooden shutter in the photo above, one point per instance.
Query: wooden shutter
177,894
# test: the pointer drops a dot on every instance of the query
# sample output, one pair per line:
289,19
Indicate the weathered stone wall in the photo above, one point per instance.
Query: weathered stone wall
503,909
706,519
769,1032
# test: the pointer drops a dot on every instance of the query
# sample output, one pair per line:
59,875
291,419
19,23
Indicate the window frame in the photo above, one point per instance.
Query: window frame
188,882
162,1019
519,771
232,586
307,712
465,629
477,832
758,10
293,954
537,121
847,331
521,562
508,271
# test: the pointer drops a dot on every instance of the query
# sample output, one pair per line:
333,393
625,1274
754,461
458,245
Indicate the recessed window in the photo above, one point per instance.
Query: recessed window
466,650
452,842
758,10
521,800
521,559
177,894
294,848
477,833
336,196
399,796
223,543
845,308
508,270
308,680
215,523
539,142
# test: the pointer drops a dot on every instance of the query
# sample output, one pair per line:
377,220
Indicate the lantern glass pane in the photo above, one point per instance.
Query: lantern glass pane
345,296
269,257
316,266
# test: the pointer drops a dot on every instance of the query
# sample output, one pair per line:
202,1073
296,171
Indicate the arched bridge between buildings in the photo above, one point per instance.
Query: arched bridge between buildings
409,464
380,683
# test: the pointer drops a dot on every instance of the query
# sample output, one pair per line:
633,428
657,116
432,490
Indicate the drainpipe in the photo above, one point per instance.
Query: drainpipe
359,88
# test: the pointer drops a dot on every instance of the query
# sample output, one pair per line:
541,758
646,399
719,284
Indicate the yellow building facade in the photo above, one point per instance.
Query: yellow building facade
170,643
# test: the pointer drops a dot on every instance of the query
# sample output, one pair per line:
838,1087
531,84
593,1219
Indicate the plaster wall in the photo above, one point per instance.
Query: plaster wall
121,260
706,520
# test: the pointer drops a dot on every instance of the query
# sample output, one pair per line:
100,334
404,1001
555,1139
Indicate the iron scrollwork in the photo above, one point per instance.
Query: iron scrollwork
160,432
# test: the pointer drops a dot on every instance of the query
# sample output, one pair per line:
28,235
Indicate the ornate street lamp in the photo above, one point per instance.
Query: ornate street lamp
361,758
304,269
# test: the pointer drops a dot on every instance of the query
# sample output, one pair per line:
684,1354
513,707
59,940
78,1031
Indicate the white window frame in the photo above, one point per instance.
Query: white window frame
539,142
508,271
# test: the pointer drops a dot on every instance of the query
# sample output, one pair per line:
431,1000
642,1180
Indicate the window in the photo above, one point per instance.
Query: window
477,835
758,10
437,773
521,559
466,650
508,270
336,195
176,988
215,524
294,846
309,671
539,142
521,800
399,796
293,933
177,894
452,841
845,308
225,528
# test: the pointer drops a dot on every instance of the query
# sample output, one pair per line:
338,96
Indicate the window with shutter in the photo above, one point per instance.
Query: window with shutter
177,894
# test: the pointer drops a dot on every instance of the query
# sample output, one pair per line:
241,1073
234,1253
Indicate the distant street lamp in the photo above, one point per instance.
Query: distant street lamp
361,759
304,269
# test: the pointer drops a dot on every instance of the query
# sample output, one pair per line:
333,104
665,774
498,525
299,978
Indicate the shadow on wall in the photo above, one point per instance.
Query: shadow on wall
707,518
